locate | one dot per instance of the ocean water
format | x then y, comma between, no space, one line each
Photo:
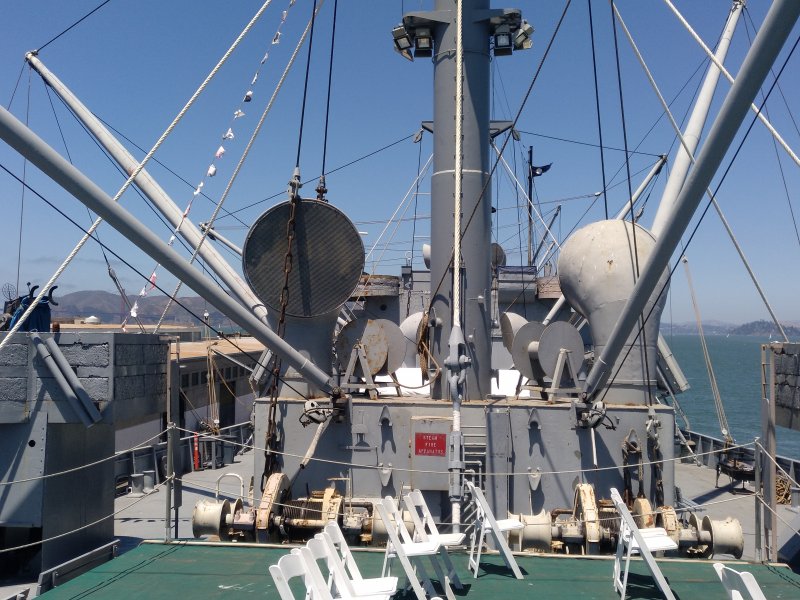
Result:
736,361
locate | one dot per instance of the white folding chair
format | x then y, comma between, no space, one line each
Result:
374,585
424,525
740,585
642,541
295,565
410,553
339,581
425,530
485,522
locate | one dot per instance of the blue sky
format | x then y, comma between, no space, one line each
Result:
136,64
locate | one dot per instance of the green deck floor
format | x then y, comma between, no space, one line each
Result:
186,572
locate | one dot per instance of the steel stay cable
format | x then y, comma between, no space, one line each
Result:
328,96
305,86
630,196
111,272
75,24
775,143
597,106
334,170
760,498
696,228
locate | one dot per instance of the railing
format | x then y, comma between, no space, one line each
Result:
708,450
196,452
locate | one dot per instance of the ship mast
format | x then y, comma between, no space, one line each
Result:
459,315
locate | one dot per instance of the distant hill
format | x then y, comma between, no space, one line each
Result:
764,329
709,328
109,308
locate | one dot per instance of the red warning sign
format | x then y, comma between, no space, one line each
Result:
430,444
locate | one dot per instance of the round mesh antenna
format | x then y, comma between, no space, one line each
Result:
327,258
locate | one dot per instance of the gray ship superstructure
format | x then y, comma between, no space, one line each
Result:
545,391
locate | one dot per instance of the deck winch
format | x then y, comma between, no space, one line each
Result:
589,527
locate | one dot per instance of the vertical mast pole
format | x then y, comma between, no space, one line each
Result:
461,298
530,206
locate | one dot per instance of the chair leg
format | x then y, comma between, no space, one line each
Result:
627,568
480,548
505,551
473,538
443,579
387,565
422,575
451,570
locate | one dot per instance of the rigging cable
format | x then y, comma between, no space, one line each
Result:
597,105
712,379
646,374
334,170
321,189
111,273
680,137
75,24
136,190
246,152
605,147
135,173
777,154
165,167
22,197
516,118
696,228
16,85
185,307
305,86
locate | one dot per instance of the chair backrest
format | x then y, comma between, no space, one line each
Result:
627,523
322,546
481,505
315,581
740,585
399,525
424,525
290,566
340,543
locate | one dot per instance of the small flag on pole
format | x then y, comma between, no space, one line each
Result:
537,171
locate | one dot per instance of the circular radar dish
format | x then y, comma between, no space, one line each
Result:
326,263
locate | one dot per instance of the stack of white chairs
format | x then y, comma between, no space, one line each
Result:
402,547
344,580
485,523
640,541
